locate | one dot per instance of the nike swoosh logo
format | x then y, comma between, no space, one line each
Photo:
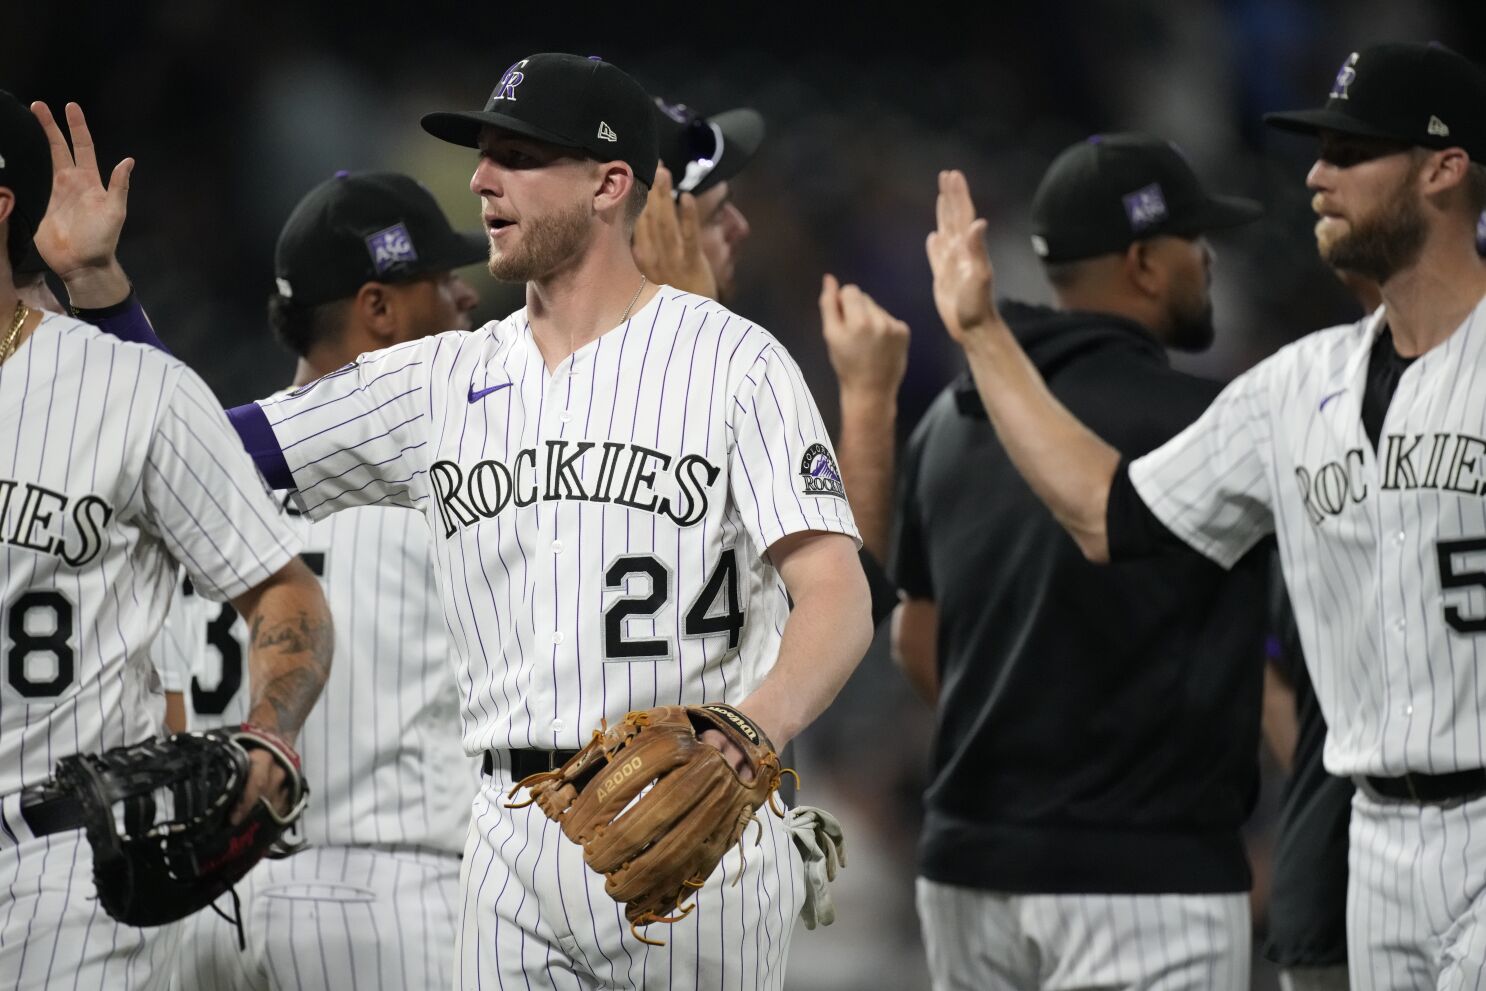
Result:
476,396
1329,398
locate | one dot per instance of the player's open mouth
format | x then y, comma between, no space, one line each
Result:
497,224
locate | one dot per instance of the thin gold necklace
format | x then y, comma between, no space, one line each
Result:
21,313
632,299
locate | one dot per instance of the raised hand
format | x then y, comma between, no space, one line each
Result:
668,246
867,344
963,280
80,232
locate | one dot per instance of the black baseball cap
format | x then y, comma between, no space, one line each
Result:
1424,95
581,103
703,151
25,169
365,227
1106,192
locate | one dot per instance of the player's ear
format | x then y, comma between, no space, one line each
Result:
375,311
615,180
1443,170
1143,269
7,204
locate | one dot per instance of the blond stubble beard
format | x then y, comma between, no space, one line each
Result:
546,243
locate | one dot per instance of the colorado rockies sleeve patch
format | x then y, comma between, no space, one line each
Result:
820,474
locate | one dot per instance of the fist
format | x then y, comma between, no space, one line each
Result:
868,346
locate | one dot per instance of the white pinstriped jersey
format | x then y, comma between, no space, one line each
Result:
115,462
381,748
598,530
1384,550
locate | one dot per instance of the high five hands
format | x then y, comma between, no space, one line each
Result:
963,280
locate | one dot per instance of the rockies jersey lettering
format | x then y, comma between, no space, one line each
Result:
1384,550
96,508
32,524
624,475
598,529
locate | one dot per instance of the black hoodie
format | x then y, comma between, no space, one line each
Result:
1097,725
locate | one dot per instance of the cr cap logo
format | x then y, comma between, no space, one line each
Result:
1146,207
818,469
1344,77
506,88
389,247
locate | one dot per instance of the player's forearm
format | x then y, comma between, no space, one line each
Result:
290,642
824,639
915,646
865,450
1069,467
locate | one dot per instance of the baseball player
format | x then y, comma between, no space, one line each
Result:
625,486
1095,851
1358,446
118,465
364,261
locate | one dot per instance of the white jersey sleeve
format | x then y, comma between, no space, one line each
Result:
204,499
176,649
359,435
783,471
1213,484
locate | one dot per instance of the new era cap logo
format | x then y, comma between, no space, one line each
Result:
1344,77
1437,127
390,247
1039,245
606,132
1145,207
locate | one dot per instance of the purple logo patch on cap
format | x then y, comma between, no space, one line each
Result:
1145,207
1344,77
390,247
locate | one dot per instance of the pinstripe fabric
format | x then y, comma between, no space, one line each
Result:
164,471
652,456
1416,898
1382,550
95,510
54,935
534,916
598,534
332,919
987,941
381,748
383,759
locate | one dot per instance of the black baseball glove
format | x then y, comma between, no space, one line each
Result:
158,817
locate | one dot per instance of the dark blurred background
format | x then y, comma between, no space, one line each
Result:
233,110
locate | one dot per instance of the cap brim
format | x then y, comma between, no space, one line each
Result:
1323,119
742,133
462,127
1222,212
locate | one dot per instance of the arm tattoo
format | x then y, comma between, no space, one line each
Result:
297,653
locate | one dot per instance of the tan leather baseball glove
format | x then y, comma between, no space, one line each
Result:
655,807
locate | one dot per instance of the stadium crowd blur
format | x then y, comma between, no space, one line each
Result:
234,110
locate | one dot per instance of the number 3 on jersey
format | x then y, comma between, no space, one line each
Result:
715,611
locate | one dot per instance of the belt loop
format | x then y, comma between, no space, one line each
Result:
1408,779
487,763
